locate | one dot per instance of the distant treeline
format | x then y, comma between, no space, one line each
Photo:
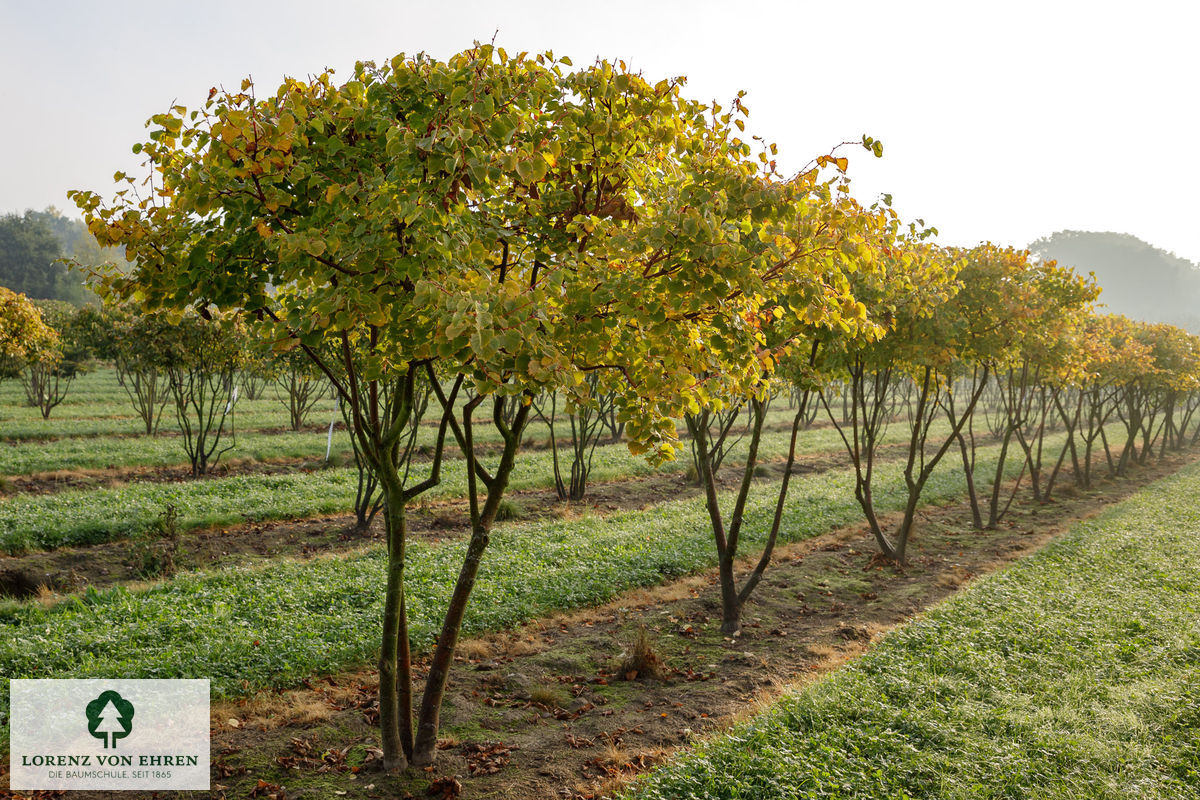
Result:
1139,280
31,246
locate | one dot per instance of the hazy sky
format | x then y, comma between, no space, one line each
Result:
1002,121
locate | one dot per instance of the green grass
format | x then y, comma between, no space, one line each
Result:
1073,674
96,405
74,453
106,452
259,415
277,624
90,516
96,515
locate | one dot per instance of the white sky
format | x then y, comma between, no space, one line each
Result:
1001,121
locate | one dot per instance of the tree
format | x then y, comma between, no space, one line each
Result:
29,255
1028,315
298,385
48,376
22,328
141,353
201,359
489,222
908,295
802,239
585,421
24,334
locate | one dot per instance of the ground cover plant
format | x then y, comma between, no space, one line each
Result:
310,618
89,516
115,452
103,452
1071,674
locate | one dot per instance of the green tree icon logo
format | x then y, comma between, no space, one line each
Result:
110,717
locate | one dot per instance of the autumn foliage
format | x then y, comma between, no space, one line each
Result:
453,240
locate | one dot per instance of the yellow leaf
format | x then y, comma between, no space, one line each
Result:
264,230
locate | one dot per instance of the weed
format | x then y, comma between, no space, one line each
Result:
155,552
508,510
474,649
546,695
641,662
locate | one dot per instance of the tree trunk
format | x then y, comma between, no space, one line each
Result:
972,494
395,660
429,719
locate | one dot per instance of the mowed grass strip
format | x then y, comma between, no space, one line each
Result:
274,625
92,422
1074,674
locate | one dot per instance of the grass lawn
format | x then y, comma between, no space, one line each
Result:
1073,674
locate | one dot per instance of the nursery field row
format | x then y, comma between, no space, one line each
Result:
103,409
111,452
275,625
88,516
32,428
1075,671
161,451
99,515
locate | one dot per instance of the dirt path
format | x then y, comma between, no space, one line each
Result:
552,709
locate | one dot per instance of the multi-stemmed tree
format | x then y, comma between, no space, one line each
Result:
49,371
1028,315
494,223
909,296
140,347
805,236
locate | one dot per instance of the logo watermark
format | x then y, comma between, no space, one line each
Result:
110,717
109,734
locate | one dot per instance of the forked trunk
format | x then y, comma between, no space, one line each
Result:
482,517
